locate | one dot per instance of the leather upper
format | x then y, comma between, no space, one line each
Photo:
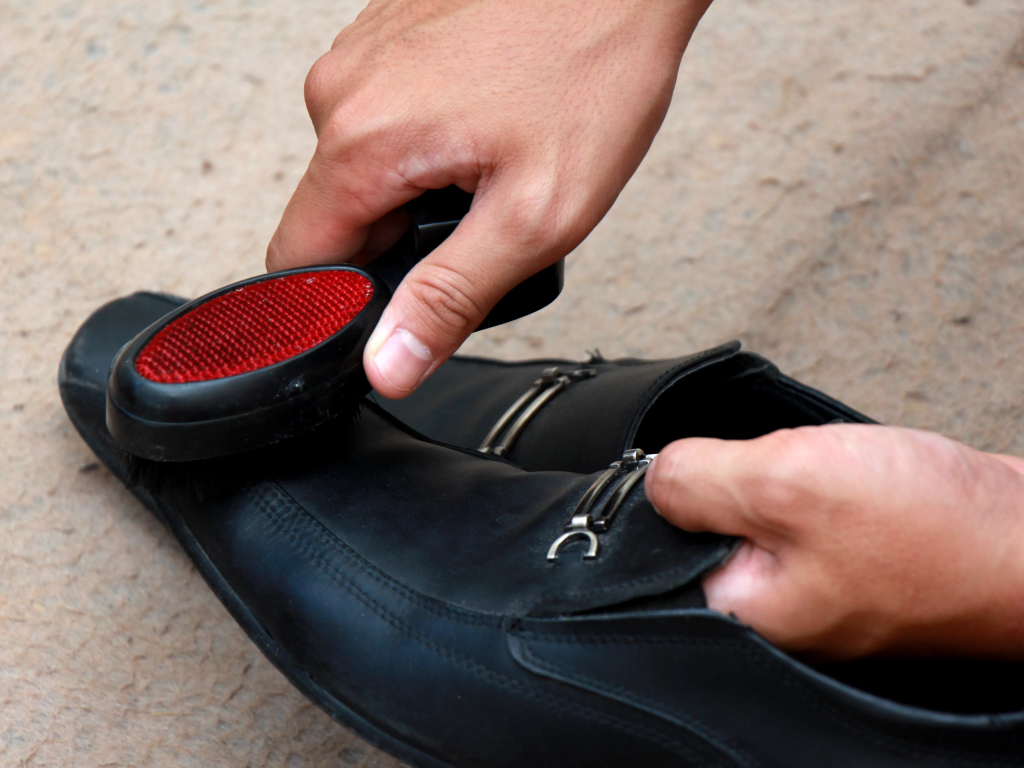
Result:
402,584
722,392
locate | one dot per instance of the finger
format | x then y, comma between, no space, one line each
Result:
783,603
447,295
735,487
702,484
1013,462
330,214
699,484
747,586
740,488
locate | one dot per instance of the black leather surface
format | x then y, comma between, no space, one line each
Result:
719,679
721,392
401,585
113,325
474,530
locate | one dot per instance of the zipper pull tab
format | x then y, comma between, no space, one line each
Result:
621,476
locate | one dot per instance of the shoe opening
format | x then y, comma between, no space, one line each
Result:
739,398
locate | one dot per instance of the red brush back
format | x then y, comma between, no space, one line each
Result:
254,326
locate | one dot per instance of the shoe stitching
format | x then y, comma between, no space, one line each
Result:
688,722
460,660
265,493
267,497
780,672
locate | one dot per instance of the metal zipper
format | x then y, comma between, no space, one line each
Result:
590,518
551,382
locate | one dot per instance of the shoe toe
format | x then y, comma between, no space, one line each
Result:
87,358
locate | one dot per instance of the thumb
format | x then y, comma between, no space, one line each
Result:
738,488
448,294
707,484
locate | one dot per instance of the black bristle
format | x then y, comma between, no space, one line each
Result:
594,356
203,480
214,478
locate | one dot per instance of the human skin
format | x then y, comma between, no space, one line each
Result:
858,539
543,108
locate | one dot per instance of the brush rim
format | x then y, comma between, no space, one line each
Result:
204,419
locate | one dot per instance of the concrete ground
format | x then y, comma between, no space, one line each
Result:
838,184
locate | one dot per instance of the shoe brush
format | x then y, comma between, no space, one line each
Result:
274,356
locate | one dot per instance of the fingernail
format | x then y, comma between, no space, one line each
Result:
402,360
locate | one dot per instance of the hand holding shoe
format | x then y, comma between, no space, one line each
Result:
860,539
543,108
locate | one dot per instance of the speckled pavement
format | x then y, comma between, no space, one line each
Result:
838,184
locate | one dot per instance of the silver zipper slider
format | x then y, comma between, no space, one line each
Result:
578,527
551,382
625,474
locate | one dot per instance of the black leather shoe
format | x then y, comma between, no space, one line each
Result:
408,588
577,417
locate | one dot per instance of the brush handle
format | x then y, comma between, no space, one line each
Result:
435,214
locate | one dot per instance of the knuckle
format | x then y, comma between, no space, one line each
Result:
317,85
351,129
535,216
777,485
550,215
340,139
447,301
